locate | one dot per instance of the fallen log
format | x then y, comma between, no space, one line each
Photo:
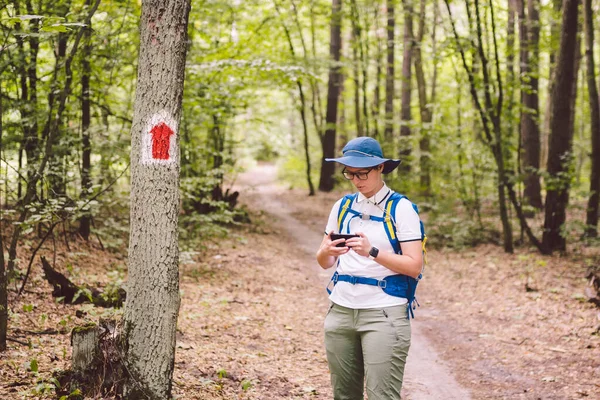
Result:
74,294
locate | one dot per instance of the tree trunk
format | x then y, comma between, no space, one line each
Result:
510,66
356,64
379,66
554,43
591,221
405,112
561,131
426,114
150,318
31,148
328,139
311,188
86,182
389,80
3,275
530,132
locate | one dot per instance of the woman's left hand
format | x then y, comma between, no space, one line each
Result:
360,245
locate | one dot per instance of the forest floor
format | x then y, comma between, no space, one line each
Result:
491,325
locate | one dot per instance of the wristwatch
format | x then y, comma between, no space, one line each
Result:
373,253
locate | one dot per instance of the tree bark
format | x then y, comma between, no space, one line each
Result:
150,318
389,79
375,110
86,182
426,114
3,275
591,221
355,42
326,180
530,131
554,44
561,131
510,66
406,96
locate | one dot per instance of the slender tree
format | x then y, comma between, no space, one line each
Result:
424,101
86,153
326,181
592,207
510,66
302,107
150,319
3,275
375,110
561,131
530,132
389,79
406,88
490,112
356,44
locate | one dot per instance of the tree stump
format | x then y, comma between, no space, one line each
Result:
97,369
85,344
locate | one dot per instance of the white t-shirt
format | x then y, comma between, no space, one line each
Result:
408,229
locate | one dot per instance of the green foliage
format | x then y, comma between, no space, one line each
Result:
222,373
33,365
246,384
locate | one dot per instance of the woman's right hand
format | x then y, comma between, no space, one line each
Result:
328,251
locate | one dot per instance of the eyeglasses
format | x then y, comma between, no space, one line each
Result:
362,175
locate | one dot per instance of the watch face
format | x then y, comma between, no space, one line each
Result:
374,252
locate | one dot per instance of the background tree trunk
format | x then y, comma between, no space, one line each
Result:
326,181
3,275
375,109
554,44
406,97
426,114
561,131
152,305
86,182
530,132
389,79
591,221
355,42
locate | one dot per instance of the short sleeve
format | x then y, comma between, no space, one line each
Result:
408,226
332,223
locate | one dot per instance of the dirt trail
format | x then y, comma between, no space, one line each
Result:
427,377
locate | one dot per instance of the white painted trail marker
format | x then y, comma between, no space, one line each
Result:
159,144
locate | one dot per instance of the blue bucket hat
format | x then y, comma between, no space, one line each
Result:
365,152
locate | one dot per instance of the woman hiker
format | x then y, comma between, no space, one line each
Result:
367,331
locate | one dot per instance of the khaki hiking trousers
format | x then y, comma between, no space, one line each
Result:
367,345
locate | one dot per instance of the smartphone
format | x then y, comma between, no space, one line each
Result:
335,236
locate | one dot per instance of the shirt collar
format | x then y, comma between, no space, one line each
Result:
377,198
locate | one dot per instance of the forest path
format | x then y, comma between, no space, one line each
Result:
427,376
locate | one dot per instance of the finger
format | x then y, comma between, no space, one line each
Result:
353,242
337,241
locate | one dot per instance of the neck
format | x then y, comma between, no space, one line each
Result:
374,191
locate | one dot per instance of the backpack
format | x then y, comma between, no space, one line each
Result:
398,285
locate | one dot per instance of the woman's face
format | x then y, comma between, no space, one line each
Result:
368,181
